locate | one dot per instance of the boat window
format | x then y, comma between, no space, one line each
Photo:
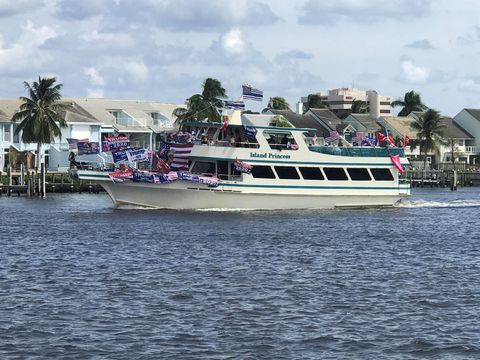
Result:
280,140
287,172
359,174
382,174
222,170
311,173
263,172
203,167
335,174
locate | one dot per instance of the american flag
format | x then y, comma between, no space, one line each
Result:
181,155
252,94
331,136
164,149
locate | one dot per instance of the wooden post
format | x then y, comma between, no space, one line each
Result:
44,185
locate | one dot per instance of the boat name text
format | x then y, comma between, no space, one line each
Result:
268,156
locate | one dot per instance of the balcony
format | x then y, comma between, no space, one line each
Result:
471,149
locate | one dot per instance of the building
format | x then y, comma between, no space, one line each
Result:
340,101
301,120
93,119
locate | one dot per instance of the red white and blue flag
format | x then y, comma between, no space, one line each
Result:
331,136
181,155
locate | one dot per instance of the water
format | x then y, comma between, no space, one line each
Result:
81,280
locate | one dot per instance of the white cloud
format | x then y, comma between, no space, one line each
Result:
94,76
413,73
233,42
470,85
137,70
27,52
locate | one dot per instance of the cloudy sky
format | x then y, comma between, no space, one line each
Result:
163,49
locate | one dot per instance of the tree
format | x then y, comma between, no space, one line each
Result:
412,101
39,113
359,107
315,102
278,103
430,132
205,105
280,121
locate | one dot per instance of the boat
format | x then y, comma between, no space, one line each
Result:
286,168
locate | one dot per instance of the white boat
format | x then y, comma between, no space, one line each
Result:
291,174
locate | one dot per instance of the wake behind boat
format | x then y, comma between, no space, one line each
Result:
259,167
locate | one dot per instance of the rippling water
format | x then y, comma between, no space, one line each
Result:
81,280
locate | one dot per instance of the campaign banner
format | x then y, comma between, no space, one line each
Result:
87,147
242,167
72,143
187,176
119,155
119,176
138,155
210,181
143,177
115,143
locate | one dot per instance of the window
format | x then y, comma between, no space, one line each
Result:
263,172
382,174
203,167
287,172
311,173
280,140
222,170
335,174
384,111
358,174
385,103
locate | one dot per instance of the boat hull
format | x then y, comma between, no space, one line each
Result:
172,196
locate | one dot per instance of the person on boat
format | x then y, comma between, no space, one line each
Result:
284,142
73,161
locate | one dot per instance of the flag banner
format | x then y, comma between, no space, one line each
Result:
158,164
172,176
164,150
139,176
250,132
119,176
210,181
137,155
187,176
396,161
242,167
391,140
115,142
239,105
72,143
251,94
331,136
121,155
87,147
180,156
406,141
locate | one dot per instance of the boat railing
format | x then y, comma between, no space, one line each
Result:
358,151
225,143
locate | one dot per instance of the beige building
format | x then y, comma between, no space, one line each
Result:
340,101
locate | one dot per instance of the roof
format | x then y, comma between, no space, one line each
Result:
474,112
256,119
9,107
402,125
367,120
328,117
301,121
454,131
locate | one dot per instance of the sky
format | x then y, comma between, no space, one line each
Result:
162,50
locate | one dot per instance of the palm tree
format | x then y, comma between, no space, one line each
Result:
359,107
430,132
412,101
278,103
39,113
205,105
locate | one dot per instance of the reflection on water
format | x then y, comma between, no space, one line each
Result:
80,279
